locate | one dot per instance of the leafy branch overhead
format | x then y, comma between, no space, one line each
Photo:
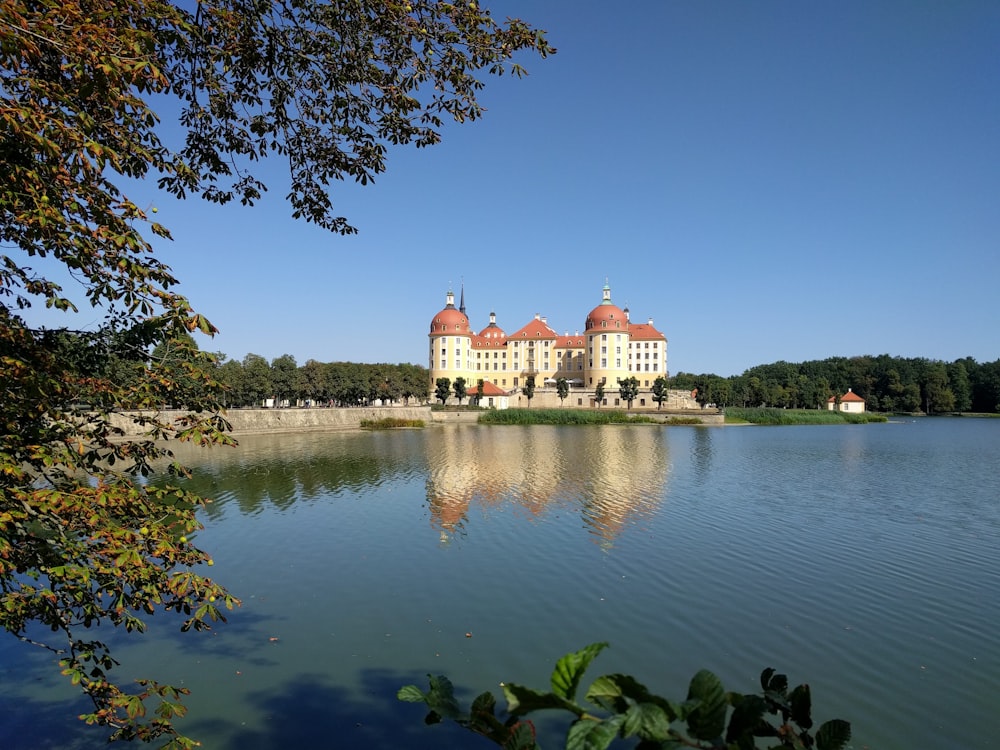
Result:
327,87
617,706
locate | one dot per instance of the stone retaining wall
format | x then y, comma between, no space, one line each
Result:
255,421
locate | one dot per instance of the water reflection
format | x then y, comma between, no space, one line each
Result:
276,471
612,475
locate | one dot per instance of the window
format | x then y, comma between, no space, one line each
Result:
654,367
618,350
604,337
444,365
515,382
604,363
618,364
604,350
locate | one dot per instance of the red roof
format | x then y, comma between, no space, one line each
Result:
450,320
536,329
645,332
489,389
849,396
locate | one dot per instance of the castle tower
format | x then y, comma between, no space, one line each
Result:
606,333
450,352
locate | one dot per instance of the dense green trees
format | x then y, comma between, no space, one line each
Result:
894,384
253,381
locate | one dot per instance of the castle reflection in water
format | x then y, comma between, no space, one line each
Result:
612,476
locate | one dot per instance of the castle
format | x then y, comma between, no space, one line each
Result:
610,349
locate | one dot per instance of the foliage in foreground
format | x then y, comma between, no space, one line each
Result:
328,88
619,707
561,416
389,423
800,416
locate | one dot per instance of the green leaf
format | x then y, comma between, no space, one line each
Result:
708,720
569,670
523,700
484,703
587,734
521,737
748,711
615,692
772,682
800,705
647,720
411,694
441,697
833,735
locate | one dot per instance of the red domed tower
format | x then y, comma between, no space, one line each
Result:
450,343
607,342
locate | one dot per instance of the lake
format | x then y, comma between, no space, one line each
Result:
863,559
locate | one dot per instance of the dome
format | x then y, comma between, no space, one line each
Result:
606,315
493,331
451,320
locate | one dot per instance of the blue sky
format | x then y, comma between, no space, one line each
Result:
767,181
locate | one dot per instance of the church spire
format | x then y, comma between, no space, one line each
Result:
461,303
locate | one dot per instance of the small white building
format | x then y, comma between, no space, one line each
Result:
850,402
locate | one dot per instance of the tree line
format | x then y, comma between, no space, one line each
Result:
253,380
887,383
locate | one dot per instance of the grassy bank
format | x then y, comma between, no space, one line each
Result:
389,423
736,415
560,416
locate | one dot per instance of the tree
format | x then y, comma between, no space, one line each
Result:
311,381
479,391
562,389
529,388
84,540
937,395
257,382
460,390
442,389
660,391
628,389
283,378
961,387
599,394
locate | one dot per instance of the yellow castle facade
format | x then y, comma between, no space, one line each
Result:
611,348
